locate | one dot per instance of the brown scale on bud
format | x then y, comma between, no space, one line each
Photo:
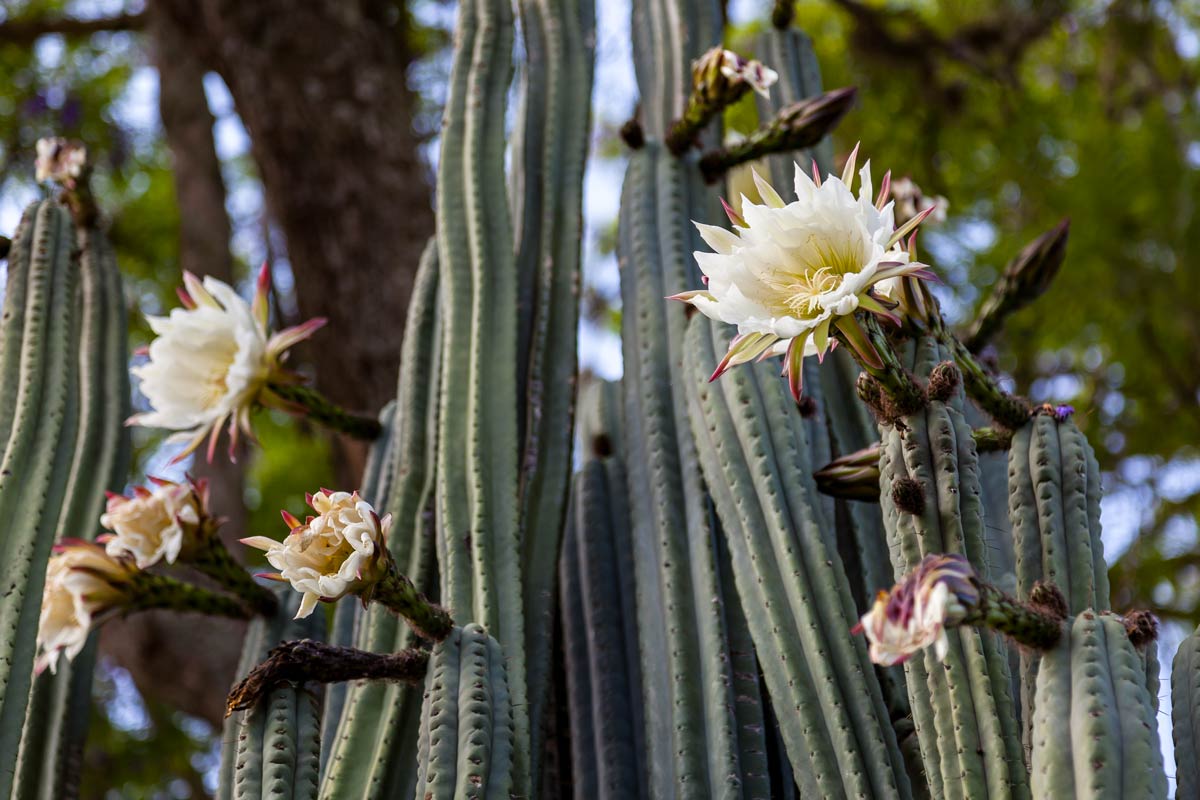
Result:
1047,598
1142,628
909,496
807,407
944,380
633,135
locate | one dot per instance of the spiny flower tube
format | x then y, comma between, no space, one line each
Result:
154,524
791,276
213,362
915,613
83,585
720,78
343,550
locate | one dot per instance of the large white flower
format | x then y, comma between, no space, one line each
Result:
211,362
791,273
341,551
82,583
915,613
152,525
756,75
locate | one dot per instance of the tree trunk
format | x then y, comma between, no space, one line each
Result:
321,87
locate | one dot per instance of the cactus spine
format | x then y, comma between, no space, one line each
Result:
1095,734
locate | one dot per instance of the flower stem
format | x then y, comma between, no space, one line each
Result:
214,560
397,593
1007,410
795,127
306,660
148,591
318,408
891,391
1033,626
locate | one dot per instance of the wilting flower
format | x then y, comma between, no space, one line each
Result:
212,362
59,160
791,273
340,551
915,613
83,583
154,524
754,74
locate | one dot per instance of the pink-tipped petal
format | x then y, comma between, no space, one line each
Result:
885,188
734,217
851,163
185,299
290,520
816,172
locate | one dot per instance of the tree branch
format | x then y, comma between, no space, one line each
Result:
29,30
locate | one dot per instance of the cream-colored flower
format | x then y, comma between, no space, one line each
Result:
757,76
791,273
154,524
342,550
211,362
83,582
59,160
916,612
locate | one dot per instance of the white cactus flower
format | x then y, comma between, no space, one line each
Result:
59,160
83,582
756,75
211,362
788,273
154,524
342,550
915,613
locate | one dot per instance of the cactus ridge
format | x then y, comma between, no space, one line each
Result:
466,742
39,451
548,165
967,700
273,750
56,720
754,455
1095,679
1185,715
369,756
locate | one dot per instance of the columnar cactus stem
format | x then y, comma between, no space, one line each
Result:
319,409
306,660
1185,715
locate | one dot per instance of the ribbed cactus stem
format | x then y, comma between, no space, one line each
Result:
397,593
214,560
855,476
308,660
319,409
148,591
795,127
1030,625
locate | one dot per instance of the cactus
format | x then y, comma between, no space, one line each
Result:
1095,731
466,745
929,491
1185,715
273,749
677,614
796,596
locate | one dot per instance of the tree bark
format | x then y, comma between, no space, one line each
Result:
321,87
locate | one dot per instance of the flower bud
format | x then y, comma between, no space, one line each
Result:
60,160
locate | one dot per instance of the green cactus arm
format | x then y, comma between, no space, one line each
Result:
367,755
273,748
34,469
974,742
549,155
585,724
1185,715
1095,679
466,747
